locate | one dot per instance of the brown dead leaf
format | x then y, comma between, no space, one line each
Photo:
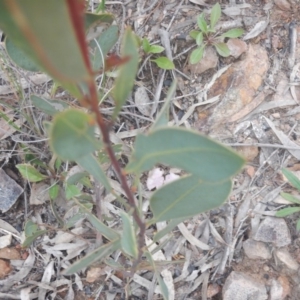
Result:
10,253
5,268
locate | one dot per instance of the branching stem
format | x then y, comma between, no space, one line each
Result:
104,128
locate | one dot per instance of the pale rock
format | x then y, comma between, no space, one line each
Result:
209,61
236,47
285,257
256,250
238,86
239,286
280,288
273,230
283,4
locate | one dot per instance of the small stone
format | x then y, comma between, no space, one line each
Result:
10,253
9,191
283,280
236,47
239,286
209,61
5,268
256,250
283,4
276,290
249,152
273,230
212,290
285,257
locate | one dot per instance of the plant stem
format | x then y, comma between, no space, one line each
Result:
93,101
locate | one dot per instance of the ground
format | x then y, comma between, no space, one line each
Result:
248,101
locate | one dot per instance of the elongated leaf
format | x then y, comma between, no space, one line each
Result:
45,31
215,15
187,150
222,49
162,284
19,57
197,55
156,49
48,106
199,39
298,225
95,256
91,164
202,23
290,198
127,73
105,41
32,232
162,118
91,19
287,211
293,179
164,63
187,197
194,33
109,233
72,135
146,45
30,173
233,33
128,238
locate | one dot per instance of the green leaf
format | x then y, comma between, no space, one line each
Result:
91,165
233,33
105,41
162,118
72,134
188,197
30,173
93,20
202,23
156,49
95,256
287,211
164,63
19,57
197,55
72,191
199,39
146,45
194,33
290,198
53,191
215,15
48,106
128,238
75,178
298,225
109,233
31,27
293,179
162,284
187,150
124,82
31,231
222,49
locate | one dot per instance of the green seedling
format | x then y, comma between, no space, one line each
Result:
295,182
208,36
162,62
